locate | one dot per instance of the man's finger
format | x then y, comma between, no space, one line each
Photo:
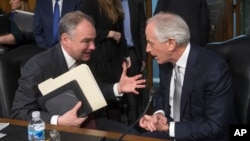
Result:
77,106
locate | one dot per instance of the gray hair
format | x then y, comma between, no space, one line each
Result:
70,20
170,25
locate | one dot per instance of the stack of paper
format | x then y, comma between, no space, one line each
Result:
2,126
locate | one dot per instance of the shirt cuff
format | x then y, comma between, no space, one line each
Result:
54,119
159,111
171,129
115,89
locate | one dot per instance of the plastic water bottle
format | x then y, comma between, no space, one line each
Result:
36,128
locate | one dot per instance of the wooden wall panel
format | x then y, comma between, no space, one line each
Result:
4,4
32,4
149,57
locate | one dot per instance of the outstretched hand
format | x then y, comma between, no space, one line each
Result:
130,84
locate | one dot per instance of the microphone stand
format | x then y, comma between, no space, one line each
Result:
152,91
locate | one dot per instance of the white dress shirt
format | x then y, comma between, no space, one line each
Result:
60,3
182,64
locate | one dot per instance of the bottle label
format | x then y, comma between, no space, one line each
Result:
36,135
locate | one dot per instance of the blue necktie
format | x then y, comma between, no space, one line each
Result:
56,21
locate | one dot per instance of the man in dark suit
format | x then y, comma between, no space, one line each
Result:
77,34
43,19
134,30
195,13
194,100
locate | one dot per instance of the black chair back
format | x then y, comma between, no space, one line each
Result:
236,52
10,71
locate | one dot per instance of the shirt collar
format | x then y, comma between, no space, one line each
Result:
69,60
60,2
182,61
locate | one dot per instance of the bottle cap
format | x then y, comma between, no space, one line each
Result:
36,114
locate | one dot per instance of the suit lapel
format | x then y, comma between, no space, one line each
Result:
165,80
62,65
190,75
168,76
48,10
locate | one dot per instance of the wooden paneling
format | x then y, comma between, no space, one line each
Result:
149,58
32,4
224,27
6,6
238,17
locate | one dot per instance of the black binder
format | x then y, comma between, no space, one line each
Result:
4,24
64,98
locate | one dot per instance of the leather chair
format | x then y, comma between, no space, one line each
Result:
236,52
10,66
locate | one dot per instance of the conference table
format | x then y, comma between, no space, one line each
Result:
17,131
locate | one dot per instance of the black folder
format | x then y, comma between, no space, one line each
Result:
4,24
64,98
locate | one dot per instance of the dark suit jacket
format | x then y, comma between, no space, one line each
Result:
138,24
48,64
43,20
206,101
194,12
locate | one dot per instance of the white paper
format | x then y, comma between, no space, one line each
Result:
2,135
3,125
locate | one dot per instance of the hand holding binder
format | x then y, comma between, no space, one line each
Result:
63,92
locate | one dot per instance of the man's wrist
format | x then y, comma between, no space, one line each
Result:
116,90
54,120
167,130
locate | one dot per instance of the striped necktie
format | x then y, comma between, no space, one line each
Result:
177,94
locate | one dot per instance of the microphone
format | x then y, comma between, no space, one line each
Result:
151,93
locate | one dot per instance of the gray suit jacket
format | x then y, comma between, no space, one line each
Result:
48,64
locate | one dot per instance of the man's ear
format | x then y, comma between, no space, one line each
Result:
65,39
171,43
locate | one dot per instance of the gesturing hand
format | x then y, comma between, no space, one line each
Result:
130,84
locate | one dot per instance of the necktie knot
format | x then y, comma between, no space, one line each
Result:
177,71
77,63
